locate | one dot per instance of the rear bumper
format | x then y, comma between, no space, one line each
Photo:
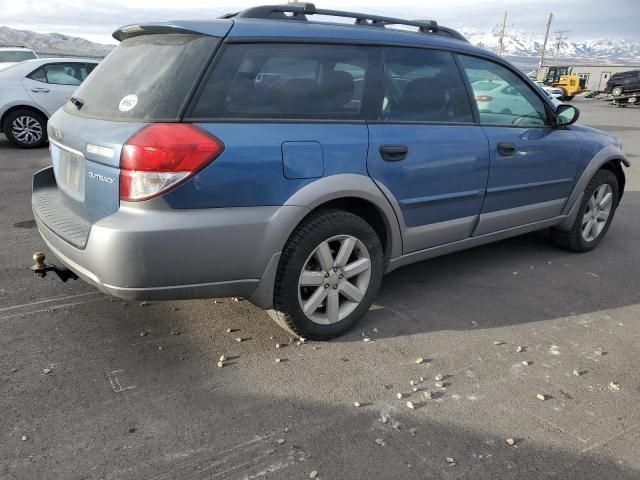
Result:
164,254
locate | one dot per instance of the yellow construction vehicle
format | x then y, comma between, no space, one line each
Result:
571,86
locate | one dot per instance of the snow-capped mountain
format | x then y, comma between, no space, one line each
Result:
520,47
519,43
54,43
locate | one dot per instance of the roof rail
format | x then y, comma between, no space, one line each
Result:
299,11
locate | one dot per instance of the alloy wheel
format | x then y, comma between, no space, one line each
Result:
597,212
26,129
334,279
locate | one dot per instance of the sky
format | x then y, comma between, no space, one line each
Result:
97,19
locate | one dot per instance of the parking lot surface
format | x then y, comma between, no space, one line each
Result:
93,387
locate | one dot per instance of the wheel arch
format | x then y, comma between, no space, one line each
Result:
27,106
359,195
609,158
354,193
615,166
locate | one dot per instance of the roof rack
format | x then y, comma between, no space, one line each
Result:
299,11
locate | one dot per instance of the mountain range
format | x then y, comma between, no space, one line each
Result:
53,43
524,44
520,47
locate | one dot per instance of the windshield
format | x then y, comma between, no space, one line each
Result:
146,78
16,55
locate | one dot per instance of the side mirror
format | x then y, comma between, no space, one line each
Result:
566,115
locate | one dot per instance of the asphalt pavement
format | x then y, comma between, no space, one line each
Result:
96,388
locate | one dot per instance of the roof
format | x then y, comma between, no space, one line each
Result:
28,66
275,29
15,47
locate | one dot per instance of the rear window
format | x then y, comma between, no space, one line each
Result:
146,78
285,81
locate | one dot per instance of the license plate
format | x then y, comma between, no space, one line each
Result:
69,169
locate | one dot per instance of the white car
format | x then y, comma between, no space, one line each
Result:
553,92
31,91
497,96
12,55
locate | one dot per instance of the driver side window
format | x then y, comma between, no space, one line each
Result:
502,98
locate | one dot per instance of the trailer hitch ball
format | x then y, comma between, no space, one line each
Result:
39,268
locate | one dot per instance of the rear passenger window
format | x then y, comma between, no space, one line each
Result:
66,73
423,85
38,75
285,81
502,97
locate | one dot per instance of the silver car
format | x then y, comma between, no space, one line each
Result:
31,91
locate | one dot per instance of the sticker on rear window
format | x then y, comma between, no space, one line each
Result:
128,102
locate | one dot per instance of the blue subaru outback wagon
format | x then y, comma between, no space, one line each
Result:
294,162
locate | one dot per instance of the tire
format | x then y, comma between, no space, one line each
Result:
569,98
306,251
617,91
575,239
26,128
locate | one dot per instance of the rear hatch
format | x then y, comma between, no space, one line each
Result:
147,79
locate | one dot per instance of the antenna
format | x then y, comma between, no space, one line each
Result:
560,36
546,37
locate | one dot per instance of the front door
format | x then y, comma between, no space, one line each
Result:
533,166
425,152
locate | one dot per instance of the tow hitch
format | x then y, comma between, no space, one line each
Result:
40,269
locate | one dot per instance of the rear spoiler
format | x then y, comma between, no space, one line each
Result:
213,29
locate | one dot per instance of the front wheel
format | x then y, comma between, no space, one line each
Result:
329,274
595,215
617,91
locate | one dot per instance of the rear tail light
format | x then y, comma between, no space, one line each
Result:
161,156
483,98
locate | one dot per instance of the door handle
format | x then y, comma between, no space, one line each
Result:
393,153
506,148
40,89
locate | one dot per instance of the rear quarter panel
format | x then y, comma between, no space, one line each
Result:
250,170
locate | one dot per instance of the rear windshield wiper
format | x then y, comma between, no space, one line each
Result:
77,102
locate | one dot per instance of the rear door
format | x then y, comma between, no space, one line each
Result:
425,151
51,85
533,166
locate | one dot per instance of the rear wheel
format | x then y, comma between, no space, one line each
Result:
329,274
596,212
617,91
26,128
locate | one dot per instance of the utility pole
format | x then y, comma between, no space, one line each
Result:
504,26
559,38
546,37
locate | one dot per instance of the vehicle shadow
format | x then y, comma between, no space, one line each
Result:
519,280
